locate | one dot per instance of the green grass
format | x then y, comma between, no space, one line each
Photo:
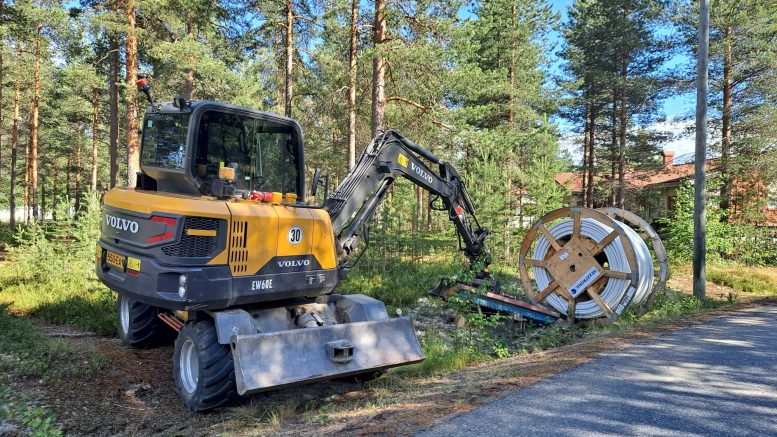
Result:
396,282
55,280
65,300
25,352
441,357
743,280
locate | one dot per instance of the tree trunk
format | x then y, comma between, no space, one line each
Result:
591,161
95,137
352,85
428,211
14,144
1,103
586,131
289,46
54,175
27,183
188,88
419,200
34,124
725,140
510,211
42,197
511,66
69,179
131,53
622,140
79,135
2,85
520,210
614,148
379,37
113,113
510,161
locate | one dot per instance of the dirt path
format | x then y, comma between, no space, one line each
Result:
133,393
127,396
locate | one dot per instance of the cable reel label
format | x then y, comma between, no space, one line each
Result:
626,300
584,281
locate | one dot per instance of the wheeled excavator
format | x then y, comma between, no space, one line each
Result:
217,249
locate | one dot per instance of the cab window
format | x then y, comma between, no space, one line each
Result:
263,153
164,140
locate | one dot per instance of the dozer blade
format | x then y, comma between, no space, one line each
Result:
300,356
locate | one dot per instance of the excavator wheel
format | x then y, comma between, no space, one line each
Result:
139,326
203,368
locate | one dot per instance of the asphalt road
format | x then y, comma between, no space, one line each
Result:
718,378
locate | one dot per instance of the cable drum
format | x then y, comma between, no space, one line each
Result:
659,252
586,264
615,289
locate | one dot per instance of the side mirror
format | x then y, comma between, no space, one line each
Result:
181,103
315,182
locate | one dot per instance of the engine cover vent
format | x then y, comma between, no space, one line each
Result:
238,253
196,246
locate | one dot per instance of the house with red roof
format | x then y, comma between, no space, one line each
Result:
652,193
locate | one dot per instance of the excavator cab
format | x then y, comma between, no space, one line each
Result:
213,149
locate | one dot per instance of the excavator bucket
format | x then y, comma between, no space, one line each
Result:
285,358
488,294
447,289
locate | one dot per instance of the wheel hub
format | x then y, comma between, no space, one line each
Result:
189,366
124,315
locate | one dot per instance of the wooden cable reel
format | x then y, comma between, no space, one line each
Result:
659,252
577,266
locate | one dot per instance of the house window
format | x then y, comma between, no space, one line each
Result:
671,202
771,200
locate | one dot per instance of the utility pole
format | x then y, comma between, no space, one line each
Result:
700,180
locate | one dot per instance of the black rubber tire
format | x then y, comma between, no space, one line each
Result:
215,385
144,329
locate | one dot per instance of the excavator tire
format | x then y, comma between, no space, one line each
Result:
203,369
139,326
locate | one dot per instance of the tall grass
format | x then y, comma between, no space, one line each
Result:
398,283
744,280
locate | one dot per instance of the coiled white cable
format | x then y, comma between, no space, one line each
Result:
614,291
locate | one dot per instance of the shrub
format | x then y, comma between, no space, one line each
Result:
50,273
738,240
679,227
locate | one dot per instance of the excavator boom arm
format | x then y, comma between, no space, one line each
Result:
388,156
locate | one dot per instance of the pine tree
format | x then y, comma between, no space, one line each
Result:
614,60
